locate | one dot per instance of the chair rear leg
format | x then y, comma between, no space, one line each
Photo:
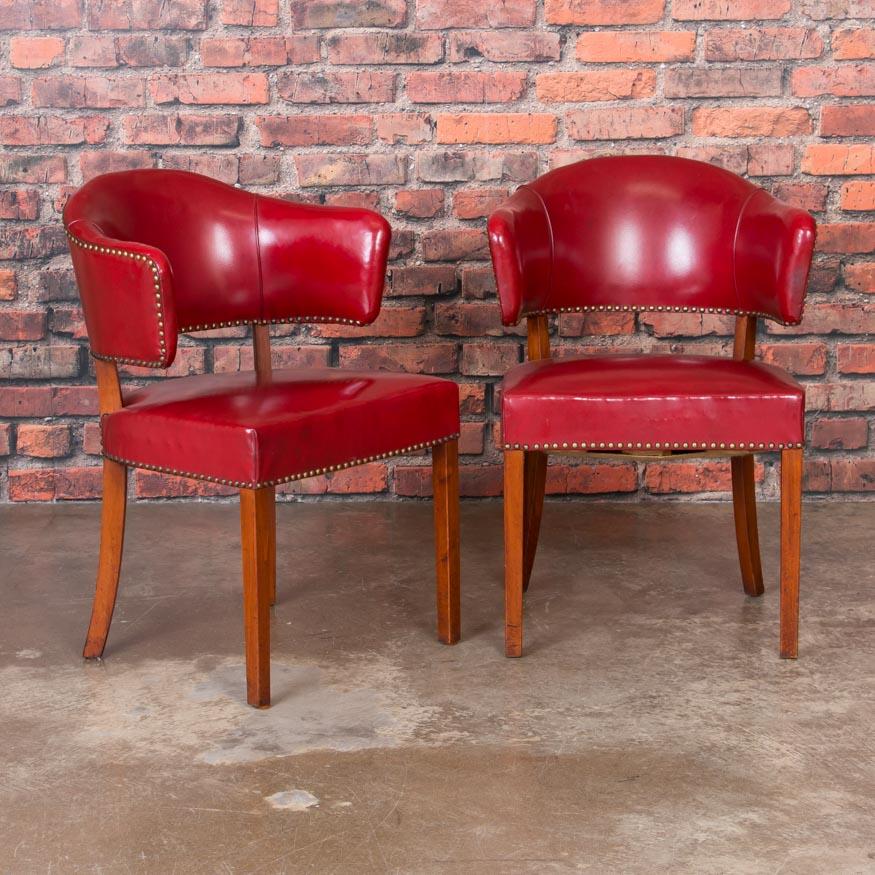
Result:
745,507
514,557
535,484
258,545
445,486
112,538
791,548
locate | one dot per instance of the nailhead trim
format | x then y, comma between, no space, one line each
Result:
159,302
627,308
658,445
206,326
239,484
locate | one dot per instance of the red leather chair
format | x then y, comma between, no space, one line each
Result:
159,252
650,233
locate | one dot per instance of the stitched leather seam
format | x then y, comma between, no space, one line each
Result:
552,239
258,256
747,200
241,484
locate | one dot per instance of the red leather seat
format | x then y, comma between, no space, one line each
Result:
650,233
160,252
229,428
680,402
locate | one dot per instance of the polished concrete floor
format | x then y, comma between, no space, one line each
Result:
650,726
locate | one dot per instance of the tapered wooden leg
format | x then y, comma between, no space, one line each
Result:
514,553
535,483
445,483
257,541
270,544
112,539
745,506
791,548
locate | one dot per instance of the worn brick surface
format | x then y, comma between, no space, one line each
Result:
433,111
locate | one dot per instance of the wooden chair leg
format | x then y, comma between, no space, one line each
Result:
535,484
745,507
112,539
270,544
791,548
514,554
257,541
445,486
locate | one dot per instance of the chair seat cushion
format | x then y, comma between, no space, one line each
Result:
225,427
650,402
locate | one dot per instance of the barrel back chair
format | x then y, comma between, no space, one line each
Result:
664,234
159,252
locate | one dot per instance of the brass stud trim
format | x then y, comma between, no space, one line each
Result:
234,323
620,445
302,475
655,308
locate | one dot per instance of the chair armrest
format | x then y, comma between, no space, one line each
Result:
772,257
521,244
127,298
321,263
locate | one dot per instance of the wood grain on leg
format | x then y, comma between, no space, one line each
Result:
514,513
745,507
255,516
445,480
791,548
535,483
112,538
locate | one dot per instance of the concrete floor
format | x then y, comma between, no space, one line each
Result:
650,727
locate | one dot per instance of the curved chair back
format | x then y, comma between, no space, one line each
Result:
162,251
649,233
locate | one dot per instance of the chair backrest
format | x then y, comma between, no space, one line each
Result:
649,232
162,251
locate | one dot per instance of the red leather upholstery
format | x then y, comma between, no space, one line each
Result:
634,402
223,256
227,428
649,232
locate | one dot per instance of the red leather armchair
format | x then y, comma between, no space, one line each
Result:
650,233
159,252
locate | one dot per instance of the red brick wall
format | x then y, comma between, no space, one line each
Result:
432,111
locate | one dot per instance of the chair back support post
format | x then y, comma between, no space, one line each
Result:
538,340
109,390
261,350
745,337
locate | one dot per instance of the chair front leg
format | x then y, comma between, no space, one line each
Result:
445,487
514,550
791,548
536,482
258,542
112,539
744,505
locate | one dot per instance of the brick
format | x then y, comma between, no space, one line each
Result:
728,10
50,130
504,46
420,204
22,324
314,130
151,484
147,15
830,318
455,244
337,87
96,163
478,203
92,51
489,359
845,80
152,50
454,87
351,169
403,321
18,243
231,359
32,362
853,43
852,475
610,12
181,129
325,14
35,52
855,358
425,279
385,48
723,82
841,397
771,159
832,433
8,285
587,324
848,120
404,127
416,358
846,237
805,195
40,14
250,13
496,128
858,196
42,441
591,479
582,87
477,282
824,159
626,123
762,44
49,484
823,9
750,121
74,401
687,324
442,14
805,359
265,51
26,401
661,478
210,88
480,319
92,92
19,204
221,167
5,439
10,90
860,277
362,200
631,46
